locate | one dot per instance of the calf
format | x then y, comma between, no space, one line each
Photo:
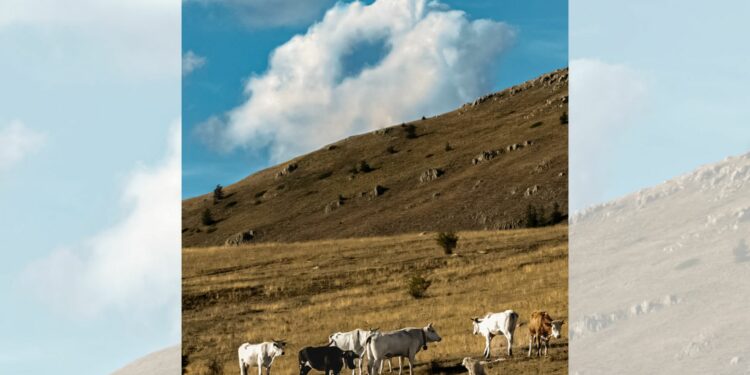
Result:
495,324
328,359
260,355
402,343
541,327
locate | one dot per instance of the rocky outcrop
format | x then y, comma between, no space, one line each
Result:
289,168
431,175
240,238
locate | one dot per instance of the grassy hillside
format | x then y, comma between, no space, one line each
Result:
328,194
302,292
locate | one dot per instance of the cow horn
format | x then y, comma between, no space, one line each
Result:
374,329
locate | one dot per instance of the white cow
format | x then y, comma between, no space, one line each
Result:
355,341
495,324
405,342
260,355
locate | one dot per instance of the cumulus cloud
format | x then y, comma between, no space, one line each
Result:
432,60
264,13
606,98
191,61
17,141
132,267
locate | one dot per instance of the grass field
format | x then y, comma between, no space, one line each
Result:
303,292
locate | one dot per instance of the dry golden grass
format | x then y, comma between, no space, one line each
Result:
303,292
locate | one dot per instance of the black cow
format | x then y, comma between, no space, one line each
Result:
328,359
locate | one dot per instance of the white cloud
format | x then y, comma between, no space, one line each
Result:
132,267
17,141
191,61
264,13
605,98
435,60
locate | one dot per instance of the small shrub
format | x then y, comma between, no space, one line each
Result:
206,217
564,118
391,150
417,286
447,241
533,218
448,146
361,167
536,124
411,131
424,118
556,216
218,193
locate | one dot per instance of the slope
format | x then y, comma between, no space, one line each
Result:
477,167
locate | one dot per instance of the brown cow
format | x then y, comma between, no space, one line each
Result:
541,326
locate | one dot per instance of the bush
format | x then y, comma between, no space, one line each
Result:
391,150
417,286
448,241
556,216
448,146
206,217
411,131
536,124
564,118
361,167
533,217
218,193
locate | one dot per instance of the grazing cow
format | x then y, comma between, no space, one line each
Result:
328,359
405,342
260,355
495,324
473,366
541,327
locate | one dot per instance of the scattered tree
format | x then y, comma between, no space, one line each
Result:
417,286
206,217
218,193
556,216
411,131
533,218
447,241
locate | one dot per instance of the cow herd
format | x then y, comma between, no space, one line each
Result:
351,348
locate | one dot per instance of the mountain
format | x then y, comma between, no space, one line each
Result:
477,167
659,278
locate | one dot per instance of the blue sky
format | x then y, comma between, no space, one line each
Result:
236,46
660,89
87,102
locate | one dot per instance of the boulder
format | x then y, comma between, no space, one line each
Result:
431,174
287,170
240,238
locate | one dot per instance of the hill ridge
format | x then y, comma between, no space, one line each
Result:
481,163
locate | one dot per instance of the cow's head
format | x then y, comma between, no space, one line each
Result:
475,322
349,357
431,334
557,328
277,348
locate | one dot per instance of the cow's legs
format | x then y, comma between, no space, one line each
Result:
268,370
531,339
411,359
243,370
487,346
510,344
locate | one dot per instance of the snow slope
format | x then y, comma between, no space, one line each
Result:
660,279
